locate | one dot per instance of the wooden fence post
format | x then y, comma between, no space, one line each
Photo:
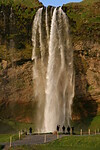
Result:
81,132
38,131
71,131
95,132
19,135
57,135
21,132
89,131
45,138
10,141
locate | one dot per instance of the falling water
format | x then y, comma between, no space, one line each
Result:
54,82
39,48
47,27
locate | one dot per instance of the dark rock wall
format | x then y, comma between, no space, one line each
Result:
87,79
16,86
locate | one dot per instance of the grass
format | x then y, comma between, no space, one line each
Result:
87,123
11,127
95,124
6,137
67,143
89,1
86,19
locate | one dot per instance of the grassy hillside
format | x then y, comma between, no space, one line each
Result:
27,3
12,127
67,143
85,18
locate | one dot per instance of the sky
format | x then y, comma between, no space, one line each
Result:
57,2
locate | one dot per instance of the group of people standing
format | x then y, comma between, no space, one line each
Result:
69,129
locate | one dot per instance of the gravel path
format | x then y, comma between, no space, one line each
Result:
34,139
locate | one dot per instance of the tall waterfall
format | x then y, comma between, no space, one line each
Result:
53,74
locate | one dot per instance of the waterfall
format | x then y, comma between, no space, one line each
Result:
53,73
47,27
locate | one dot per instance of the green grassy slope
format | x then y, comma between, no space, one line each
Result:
85,18
27,3
92,123
68,143
6,137
11,126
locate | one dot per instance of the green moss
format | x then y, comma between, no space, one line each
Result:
84,24
89,88
20,31
89,2
87,17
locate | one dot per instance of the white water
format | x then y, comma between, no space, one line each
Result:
47,27
54,82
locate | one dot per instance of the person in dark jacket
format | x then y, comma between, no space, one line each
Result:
58,127
30,130
68,129
73,130
63,128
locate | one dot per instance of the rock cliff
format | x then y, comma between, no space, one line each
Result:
16,86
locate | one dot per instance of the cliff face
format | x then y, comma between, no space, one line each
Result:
16,92
16,86
87,79
85,30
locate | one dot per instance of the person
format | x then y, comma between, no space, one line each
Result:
30,130
68,129
72,130
63,128
58,126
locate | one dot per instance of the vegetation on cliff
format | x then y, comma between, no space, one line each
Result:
15,27
17,17
85,17
23,3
